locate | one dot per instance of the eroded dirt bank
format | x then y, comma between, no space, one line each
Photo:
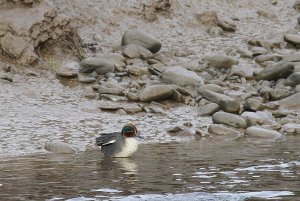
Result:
239,57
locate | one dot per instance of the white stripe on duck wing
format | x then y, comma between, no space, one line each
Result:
107,138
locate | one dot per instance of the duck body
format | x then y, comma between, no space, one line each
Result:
119,144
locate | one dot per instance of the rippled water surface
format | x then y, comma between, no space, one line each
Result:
205,169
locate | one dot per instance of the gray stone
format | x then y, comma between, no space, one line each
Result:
256,51
261,133
156,92
295,57
230,105
226,26
133,108
219,129
59,148
297,88
219,61
281,113
253,104
268,57
6,76
142,39
280,70
292,38
132,96
181,76
257,118
226,103
114,98
279,93
293,79
229,119
113,91
215,31
211,87
291,129
136,51
86,79
68,70
13,45
291,101
208,109
100,65
137,71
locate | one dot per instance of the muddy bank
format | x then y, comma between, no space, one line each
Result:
178,70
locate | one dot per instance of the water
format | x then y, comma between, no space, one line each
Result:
205,169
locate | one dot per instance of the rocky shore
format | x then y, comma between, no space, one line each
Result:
250,89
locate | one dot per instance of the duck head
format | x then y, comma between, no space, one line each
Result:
129,130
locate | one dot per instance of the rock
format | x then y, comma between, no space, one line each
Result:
281,113
229,119
230,105
226,26
132,96
257,51
257,118
133,108
117,59
219,129
101,66
208,18
226,103
266,14
293,79
295,57
86,79
279,93
297,5
262,133
66,73
291,101
297,88
25,27
268,57
110,106
211,87
280,70
137,71
208,109
113,91
13,45
121,112
136,51
5,76
182,77
291,129
252,104
219,61
59,148
142,39
215,31
114,98
156,92
293,39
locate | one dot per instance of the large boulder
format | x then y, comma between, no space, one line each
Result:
156,92
280,70
142,39
257,118
182,77
262,133
100,65
229,119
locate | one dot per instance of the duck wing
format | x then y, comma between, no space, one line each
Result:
107,138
